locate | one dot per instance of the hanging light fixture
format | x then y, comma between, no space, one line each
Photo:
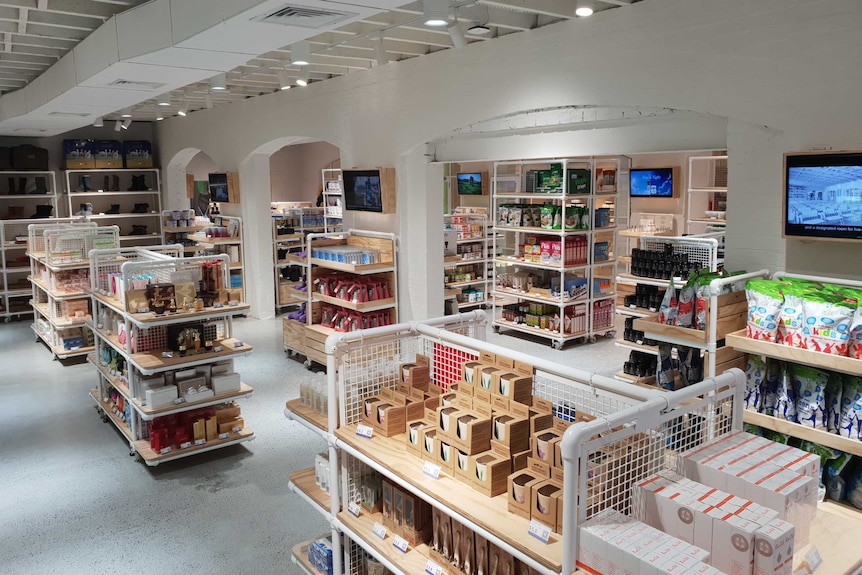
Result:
98,122
219,82
585,8
159,117
457,35
299,54
435,12
118,125
126,123
184,108
380,51
479,29
164,99
283,80
303,78
126,113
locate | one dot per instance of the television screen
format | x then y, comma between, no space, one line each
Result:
651,183
470,184
362,191
823,195
218,188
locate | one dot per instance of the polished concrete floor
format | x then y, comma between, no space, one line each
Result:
73,501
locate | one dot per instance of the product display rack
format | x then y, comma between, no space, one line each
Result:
307,336
135,195
466,254
141,341
230,245
586,311
739,341
333,198
354,360
289,229
179,227
24,190
59,277
707,188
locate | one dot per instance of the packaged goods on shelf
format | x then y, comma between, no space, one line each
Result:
351,288
320,555
346,254
346,321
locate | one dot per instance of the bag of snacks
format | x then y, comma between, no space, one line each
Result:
755,373
665,376
853,296
668,309
790,316
826,323
764,304
834,390
685,306
811,386
851,407
785,403
547,217
701,302
769,388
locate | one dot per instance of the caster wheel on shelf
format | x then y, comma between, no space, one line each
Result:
132,453
611,334
496,328
591,339
307,364
557,345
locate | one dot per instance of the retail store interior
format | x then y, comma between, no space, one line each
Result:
456,287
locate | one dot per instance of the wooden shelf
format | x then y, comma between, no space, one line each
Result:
708,221
304,481
649,380
204,241
291,259
352,268
151,412
835,533
465,283
186,229
532,296
489,512
142,319
820,436
651,349
636,234
319,421
58,350
534,230
142,446
738,340
413,561
634,312
363,307
545,266
538,331
118,423
625,277
300,556
118,383
57,294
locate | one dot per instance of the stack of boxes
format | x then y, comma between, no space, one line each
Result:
389,411
192,384
189,427
320,555
405,514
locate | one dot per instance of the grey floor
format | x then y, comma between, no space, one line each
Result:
73,501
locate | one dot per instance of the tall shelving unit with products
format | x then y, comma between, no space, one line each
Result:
27,195
333,198
225,237
560,273
706,197
466,258
165,376
125,197
289,229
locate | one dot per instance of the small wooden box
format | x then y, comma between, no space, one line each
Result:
514,387
446,456
539,467
428,437
486,382
544,504
414,375
489,473
557,474
519,460
462,466
520,489
469,375
511,431
447,420
515,408
463,401
472,433
544,445
413,437
540,422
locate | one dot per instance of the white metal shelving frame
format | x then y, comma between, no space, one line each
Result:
29,199
292,244
145,340
333,188
479,224
702,172
591,269
102,199
662,424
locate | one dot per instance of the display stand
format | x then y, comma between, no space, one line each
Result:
360,363
706,197
333,198
136,353
59,276
210,243
127,198
466,258
573,259
26,190
289,229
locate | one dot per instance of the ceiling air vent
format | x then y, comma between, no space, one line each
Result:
134,84
304,17
70,114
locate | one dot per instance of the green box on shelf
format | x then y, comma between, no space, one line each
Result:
579,181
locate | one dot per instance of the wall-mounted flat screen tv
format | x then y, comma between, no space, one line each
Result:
470,184
823,195
218,188
362,191
651,182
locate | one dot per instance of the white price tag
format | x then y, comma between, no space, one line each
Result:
379,530
633,306
433,569
165,450
813,559
540,531
223,435
401,544
431,470
364,431
179,400
653,310
200,441
640,342
237,429
354,509
185,444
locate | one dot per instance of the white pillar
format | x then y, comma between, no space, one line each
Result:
255,197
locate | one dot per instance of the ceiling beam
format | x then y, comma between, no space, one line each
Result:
74,22
556,8
22,20
412,19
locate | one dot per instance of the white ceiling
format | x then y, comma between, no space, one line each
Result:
53,82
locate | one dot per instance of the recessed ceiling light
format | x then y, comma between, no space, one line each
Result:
159,117
126,113
219,82
164,99
184,109
435,12
98,122
299,54
584,8
283,80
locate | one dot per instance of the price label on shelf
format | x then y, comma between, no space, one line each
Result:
540,531
354,509
165,450
813,560
185,444
401,544
632,306
224,435
200,441
433,569
653,310
640,342
364,431
179,400
237,429
431,470
379,530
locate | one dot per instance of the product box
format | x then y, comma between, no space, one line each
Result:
78,155
733,545
540,468
445,456
231,425
540,421
504,561
513,387
108,154
510,432
211,429
227,411
447,420
226,383
461,470
137,154
160,396
544,446
489,473
520,488
472,433
544,503
413,437
469,374
429,443
774,548
387,496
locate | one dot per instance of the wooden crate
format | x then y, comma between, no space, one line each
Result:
732,316
293,334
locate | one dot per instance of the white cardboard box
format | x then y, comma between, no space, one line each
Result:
226,383
773,549
161,396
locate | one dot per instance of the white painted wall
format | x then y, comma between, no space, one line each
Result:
769,76
294,171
